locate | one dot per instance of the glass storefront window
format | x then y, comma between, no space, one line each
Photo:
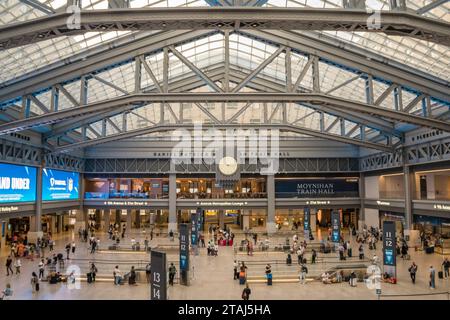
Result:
129,188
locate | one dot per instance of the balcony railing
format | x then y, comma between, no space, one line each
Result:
123,195
237,195
392,194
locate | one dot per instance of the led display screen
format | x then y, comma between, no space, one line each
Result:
17,183
59,185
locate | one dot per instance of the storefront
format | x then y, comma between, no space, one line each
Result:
348,217
287,219
436,230
397,217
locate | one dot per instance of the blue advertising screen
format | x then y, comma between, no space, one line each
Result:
59,185
17,183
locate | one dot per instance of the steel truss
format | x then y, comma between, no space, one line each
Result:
421,153
20,153
391,22
373,123
162,166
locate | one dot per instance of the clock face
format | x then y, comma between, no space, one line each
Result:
228,166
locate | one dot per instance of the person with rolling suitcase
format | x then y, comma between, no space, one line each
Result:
446,267
89,277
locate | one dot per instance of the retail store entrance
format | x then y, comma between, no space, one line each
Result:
348,217
221,218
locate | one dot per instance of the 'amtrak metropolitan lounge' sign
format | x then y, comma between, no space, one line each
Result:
316,188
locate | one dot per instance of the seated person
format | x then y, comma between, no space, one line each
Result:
326,278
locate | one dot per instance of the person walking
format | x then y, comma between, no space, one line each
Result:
246,292
73,247
41,267
93,246
132,277
446,266
34,282
146,244
303,272
432,282
412,272
172,273
51,243
117,276
17,265
361,252
235,269
8,266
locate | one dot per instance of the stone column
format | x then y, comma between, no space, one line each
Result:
222,219
172,200
362,196
409,183
59,223
129,219
246,219
38,226
3,232
271,225
138,218
107,217
313,218
119,218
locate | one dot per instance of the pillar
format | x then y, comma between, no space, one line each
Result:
362,196
138,218
60,223
313,219
172,200
38,225
271,225
246,220
107,217
409,183
118,217
129,219
3,232
222,219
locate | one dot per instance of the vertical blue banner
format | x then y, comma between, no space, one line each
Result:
306,218
194,229
199,219
335,226
184,247
389,243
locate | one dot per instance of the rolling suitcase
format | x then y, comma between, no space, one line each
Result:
441,275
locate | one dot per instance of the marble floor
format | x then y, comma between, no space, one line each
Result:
212,277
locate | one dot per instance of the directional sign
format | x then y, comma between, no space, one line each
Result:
389,248
158,280
335,226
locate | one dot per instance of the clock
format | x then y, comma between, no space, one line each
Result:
228,166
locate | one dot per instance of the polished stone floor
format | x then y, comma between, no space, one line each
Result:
212,277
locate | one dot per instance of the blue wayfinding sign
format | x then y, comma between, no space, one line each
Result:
17,183
389,243
306,218
335,226
194,229
184,247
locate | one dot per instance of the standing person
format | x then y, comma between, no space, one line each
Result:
73,247
68,251
303,272
34,282
94,271
146,244
432,272
93,246
235,268
313,256
171,235
412,272
361,252
17,265
8,266
132,277
51,243
151,234
172,272
41,267
117,276
446,266
246,293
